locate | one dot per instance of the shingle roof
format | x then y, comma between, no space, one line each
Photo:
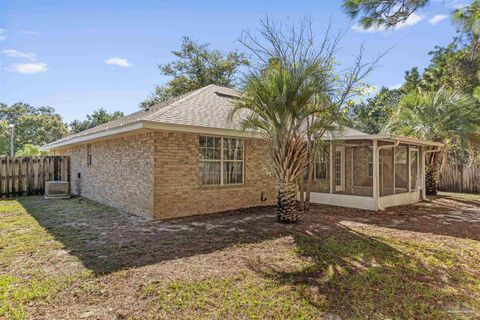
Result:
207,107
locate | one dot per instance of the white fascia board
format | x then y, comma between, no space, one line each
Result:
96,135
389,137
152,125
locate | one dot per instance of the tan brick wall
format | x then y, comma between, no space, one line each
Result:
178,191
121,173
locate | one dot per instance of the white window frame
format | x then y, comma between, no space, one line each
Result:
319,161
223,161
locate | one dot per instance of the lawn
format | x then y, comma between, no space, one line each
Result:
76,259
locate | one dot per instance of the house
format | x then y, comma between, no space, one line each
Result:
183,157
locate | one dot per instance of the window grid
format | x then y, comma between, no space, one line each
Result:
320,168
89,154
370,162
221,161
338,168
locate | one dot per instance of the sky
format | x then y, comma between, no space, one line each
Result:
78,56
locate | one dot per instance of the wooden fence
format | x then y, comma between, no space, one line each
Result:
460,178
27,175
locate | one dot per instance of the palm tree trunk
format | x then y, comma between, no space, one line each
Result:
431,180
286,203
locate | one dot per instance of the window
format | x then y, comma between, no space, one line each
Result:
89,154
321,166
370,162
221,160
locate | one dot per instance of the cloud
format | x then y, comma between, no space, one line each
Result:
437,19
30,68
12,53
116,61
412,20
2,34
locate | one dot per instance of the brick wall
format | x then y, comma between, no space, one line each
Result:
178,191
121,173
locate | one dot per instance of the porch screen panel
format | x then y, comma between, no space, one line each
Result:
362,175
401,169
386,172
414,169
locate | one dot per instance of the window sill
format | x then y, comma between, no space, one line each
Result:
223,187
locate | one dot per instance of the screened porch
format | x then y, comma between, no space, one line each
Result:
367,173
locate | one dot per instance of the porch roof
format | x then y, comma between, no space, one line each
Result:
387,137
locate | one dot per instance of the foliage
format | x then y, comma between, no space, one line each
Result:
33,125
98,117
29,150
451,68
467,19
196,66
442,116
371,116
382,13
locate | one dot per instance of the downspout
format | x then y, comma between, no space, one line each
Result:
377,196
424,192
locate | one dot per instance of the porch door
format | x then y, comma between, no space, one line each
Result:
339,168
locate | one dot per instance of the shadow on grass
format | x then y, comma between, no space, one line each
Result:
344,271
106,240
362,277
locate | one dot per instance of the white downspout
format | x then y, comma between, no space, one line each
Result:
424,192
377,178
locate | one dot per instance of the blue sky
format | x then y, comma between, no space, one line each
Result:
77,56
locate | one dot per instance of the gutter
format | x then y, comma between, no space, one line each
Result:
377,191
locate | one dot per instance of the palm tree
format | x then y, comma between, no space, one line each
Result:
277,101
442,116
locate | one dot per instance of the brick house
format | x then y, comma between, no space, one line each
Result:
183,157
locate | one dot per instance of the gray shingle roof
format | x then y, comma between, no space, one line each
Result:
207,107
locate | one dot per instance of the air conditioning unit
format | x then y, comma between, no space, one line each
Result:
56,190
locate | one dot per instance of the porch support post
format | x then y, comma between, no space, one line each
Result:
422,172
331,166
375,173
393,170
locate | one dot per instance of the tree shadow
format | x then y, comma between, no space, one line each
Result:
107,240
351,275
444,215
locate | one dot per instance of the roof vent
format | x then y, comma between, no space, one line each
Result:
226,95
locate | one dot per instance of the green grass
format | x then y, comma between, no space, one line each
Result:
236,297
360,271
21,236
352,279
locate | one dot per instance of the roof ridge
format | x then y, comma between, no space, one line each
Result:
170,106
